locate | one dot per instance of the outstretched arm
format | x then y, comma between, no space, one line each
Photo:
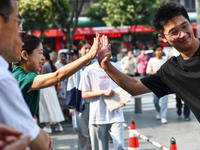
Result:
94,94
131,85
46,80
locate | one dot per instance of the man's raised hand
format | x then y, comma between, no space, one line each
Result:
104,53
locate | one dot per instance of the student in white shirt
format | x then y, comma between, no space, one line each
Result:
95,84
153,66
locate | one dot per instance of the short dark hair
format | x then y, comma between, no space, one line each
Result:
129,51
6,8
165,13
63,53
73,52
155,47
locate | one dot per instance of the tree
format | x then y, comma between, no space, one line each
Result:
67,26
36,12
50,13
124,12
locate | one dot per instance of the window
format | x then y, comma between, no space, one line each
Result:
190,4
193,4
177,1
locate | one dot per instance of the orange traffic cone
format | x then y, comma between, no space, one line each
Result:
173,144
133,140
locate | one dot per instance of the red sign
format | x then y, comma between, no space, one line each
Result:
110,31
49,33
83,31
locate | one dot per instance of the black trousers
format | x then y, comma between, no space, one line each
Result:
179,104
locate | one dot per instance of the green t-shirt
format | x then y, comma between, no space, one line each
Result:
25,81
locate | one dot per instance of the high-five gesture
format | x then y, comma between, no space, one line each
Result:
104,53
95,47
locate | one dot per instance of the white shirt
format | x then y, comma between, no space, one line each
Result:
95,78
174,52
58,64
14,111
128,65
154,64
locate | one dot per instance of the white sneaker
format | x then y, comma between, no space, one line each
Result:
158,116
164,120
59,128
48,130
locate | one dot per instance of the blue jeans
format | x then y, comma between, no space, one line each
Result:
163,108
99,136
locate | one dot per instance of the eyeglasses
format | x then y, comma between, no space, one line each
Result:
19,20
176,32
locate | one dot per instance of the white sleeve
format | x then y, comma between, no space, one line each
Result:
149,66
85,81
71,82
14,111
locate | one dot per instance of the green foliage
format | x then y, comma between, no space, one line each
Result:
124,12
65,10
35,11
38,13
96,12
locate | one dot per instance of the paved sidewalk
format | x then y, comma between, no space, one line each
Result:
187,134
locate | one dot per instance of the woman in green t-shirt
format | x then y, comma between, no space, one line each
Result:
31,62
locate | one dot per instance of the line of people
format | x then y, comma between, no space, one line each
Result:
29,60
17,108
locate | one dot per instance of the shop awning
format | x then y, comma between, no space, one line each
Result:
192,16
87,22
100,30
49,33
141,29
84,31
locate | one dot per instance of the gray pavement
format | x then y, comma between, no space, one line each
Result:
187,134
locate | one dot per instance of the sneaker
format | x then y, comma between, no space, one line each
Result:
48,130
187,119
59,128
163,120
158,117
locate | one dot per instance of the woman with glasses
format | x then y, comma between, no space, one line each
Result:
31,62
